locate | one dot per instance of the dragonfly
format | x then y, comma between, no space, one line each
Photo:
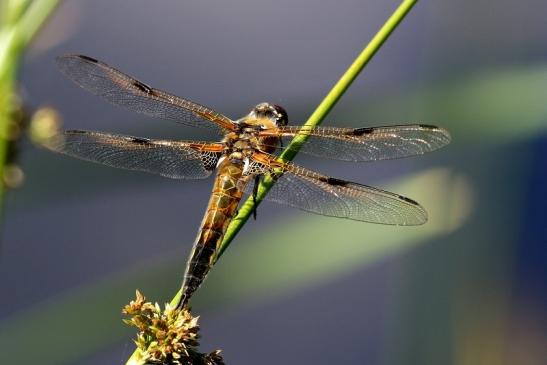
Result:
245,153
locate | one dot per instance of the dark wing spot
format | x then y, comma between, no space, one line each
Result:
334,181
428,126
138,140
89,59
142,87
361,131
408,200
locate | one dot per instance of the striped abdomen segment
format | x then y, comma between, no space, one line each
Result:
221,209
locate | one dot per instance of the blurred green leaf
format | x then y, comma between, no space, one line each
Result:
495,106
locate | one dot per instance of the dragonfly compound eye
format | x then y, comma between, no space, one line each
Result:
282,118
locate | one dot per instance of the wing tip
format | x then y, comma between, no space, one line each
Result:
72,56
57,142
67,62
420,214
443,133
54,142
420,217
417,214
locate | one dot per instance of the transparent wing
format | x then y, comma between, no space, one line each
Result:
173,159
310,191
366,144
121,89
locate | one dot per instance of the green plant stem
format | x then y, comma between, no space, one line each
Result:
22,21
34,18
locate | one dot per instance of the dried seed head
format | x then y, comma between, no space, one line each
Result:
169,336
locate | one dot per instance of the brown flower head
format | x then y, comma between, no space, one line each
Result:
167,337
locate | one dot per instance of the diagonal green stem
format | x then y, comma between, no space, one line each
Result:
317,116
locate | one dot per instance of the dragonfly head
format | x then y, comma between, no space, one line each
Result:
271,111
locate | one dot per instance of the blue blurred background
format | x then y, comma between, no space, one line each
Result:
466,288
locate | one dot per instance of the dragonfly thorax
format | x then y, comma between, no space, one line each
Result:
246,138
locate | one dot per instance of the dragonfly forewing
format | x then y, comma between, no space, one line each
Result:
121,89
366,144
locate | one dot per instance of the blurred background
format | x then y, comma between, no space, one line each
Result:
466,288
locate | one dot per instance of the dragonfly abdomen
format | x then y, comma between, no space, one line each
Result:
221,209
